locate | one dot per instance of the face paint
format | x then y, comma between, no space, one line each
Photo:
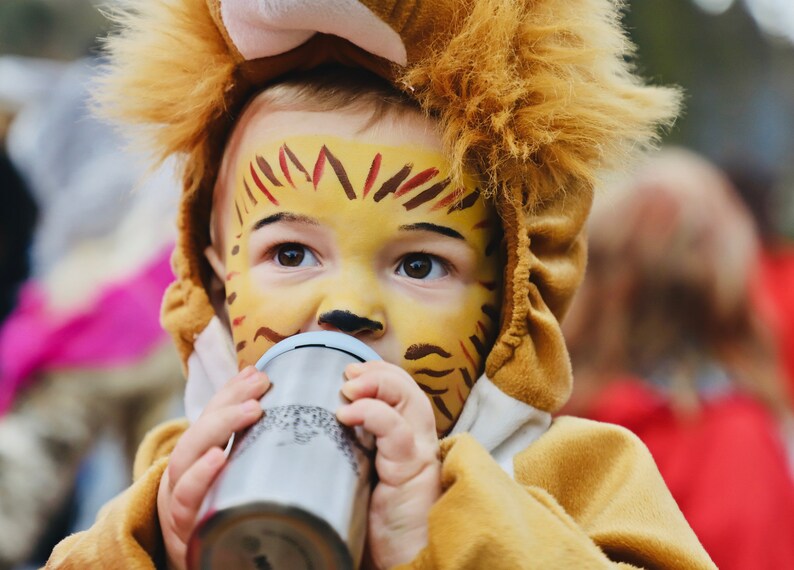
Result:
374,241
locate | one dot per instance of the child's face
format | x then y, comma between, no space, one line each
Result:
357,230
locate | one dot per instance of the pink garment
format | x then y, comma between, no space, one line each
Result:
121,325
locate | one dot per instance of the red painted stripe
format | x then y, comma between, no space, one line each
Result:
481,225
238,321
282,161
319,167
416,181
448,199
467,355
261,186
373,174
231,274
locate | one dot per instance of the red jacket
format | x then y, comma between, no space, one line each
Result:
725,466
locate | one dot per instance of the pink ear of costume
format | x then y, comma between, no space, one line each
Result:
262,28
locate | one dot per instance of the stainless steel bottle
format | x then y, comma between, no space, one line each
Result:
294,494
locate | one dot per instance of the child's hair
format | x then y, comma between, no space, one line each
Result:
669,286
334,88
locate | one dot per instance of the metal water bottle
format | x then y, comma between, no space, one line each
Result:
294,494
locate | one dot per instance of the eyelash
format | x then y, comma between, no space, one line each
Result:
271,253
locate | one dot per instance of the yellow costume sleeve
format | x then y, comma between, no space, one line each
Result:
126,533
585,495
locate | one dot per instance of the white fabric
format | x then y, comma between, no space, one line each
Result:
503,425
211,365
261,28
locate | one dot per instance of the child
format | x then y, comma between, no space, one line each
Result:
438,219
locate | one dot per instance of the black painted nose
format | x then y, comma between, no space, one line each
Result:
348,322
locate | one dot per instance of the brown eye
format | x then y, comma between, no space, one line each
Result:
292,255
421,266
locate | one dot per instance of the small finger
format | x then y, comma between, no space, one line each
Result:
211,430
193,486
394,436
248,384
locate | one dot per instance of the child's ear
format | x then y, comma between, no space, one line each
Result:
215,261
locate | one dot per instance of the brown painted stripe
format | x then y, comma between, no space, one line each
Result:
417,351
490,285
240,345
261,185
341,174
230,299
393,183
374,169
467,355
282,162
482,224
492,245
269,334
482,328
297,163
239,215
319,168
235,250
248,191
433,373
416,181
442,407
432,391
466,203
264,166
478,345
466,377
491,312
427,195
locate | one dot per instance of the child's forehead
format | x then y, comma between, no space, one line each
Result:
339,178
275,148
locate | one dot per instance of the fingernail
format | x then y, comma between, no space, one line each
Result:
347,390
248,371
340,413
353,370
257,376
250,407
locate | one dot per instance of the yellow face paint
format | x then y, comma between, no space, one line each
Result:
333,233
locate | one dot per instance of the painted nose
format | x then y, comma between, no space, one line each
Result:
349,323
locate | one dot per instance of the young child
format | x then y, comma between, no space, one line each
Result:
437,216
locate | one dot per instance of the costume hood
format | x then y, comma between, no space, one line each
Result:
534,95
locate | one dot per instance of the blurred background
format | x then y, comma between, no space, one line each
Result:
735,61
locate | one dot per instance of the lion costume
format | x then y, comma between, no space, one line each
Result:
535,96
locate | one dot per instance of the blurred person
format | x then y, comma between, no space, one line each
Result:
773,287
83,359
664,340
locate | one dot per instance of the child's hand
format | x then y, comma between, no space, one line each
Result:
388,403
198,457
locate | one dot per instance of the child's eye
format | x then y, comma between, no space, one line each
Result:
295,255
421,266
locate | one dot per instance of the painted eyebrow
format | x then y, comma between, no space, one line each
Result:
428,227
284,217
